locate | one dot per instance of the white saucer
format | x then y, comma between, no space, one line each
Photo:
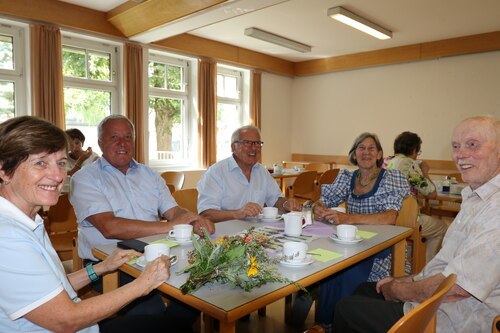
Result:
141,262
264,219
346,242
189,241
309,259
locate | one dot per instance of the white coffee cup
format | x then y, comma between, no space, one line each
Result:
294,251
339,209
153,251
269,212
181,232
293,223
346,231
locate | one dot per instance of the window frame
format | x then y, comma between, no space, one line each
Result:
20,74
188,114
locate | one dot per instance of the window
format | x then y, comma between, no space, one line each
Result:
90,85
171,121
12,79
231,109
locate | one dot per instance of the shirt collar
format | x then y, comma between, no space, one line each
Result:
10,210
105,164
234,165
484,191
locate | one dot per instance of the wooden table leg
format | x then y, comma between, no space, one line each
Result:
110,282
227,327
208,323
398,258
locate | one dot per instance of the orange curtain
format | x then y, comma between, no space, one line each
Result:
207,111
255,98
47,79
134,97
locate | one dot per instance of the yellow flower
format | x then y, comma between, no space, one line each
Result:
254,265
220,240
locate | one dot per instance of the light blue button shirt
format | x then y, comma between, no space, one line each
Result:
31,273
225,187
141,194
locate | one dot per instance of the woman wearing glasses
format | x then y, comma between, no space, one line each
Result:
239,186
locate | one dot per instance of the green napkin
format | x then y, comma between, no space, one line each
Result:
366,234
324,255
159,241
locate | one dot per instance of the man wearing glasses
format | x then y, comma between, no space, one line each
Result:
239,186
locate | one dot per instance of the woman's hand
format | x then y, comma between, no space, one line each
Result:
115,260
335,217
154,274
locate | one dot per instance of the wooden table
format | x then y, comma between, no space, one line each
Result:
331,164
229,304
447,210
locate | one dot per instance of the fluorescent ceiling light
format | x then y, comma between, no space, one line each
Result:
278,40
343,15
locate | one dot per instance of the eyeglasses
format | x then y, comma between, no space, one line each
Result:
248,143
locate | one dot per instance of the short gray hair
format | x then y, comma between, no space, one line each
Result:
236,134
100,127
361,138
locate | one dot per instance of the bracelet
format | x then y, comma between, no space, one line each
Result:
91,273
78,166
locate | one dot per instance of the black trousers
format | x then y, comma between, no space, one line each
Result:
366,311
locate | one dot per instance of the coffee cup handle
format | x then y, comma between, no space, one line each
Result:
171,233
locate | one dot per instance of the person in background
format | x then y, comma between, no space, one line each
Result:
470,250
373,196
37,295
239,186
77,157
116,198
406,149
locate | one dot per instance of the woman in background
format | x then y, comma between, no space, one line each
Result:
77,157
36,294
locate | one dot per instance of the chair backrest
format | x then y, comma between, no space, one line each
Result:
187,198
328,176
407,217
175,178
61,217
304,183
171,188
422,318
320,167
496,325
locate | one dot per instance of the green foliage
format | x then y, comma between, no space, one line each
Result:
239,260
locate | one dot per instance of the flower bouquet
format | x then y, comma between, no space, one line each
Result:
239,260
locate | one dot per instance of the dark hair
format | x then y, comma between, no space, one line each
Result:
361,138
76,134
407,143
23,136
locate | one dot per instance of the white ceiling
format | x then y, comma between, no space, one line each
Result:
411,21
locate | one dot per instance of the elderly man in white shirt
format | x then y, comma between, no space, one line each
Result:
239,186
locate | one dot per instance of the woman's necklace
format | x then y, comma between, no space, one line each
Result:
374,176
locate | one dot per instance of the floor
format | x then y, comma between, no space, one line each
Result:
273,322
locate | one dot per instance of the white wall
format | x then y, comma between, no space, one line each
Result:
427,97
276,102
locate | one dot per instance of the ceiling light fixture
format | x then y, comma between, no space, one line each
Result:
278,40
343,15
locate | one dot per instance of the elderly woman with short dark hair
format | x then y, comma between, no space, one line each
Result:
373,196
36,294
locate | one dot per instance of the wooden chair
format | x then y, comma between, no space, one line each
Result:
77,261
423,317
175,178
328,176
171,188
318,167
407,217
304,187
62,227
187,198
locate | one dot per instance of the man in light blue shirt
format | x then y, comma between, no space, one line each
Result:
117,198
238,186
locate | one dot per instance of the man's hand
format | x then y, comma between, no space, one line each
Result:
250,209
202,222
